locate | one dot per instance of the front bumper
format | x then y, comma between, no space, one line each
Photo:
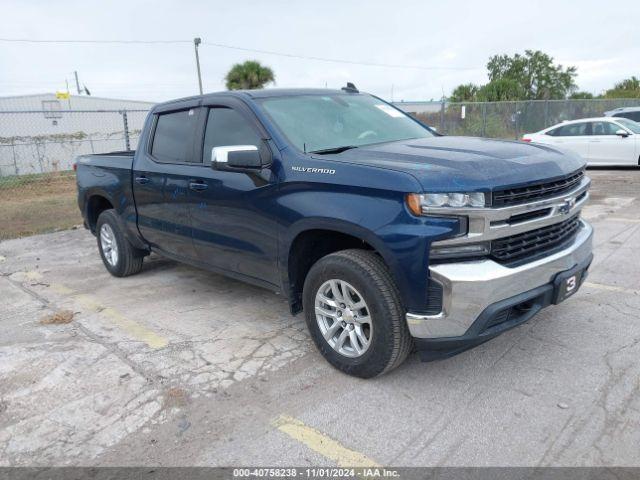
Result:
472,288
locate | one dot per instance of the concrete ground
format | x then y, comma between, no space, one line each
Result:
177,366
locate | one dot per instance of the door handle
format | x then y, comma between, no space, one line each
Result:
142,180
198,186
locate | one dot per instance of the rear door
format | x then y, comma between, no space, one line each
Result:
161,180
234,228
606,147
573,136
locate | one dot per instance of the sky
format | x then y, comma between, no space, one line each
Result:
450,41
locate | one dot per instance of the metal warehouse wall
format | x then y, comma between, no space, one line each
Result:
39,133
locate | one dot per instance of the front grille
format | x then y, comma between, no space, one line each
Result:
515,196
535,242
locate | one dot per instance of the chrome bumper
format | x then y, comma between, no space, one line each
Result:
470,287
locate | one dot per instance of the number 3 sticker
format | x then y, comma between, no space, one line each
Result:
571,283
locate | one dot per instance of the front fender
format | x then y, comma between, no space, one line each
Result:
383,222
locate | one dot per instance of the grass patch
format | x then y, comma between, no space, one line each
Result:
32,204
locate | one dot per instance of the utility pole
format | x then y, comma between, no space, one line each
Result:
68,96
197,41
75,73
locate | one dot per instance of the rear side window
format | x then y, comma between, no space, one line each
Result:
571,130
635,116
173,137
227,127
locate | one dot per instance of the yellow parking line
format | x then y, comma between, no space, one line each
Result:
611,288
61,289
132,328
321,443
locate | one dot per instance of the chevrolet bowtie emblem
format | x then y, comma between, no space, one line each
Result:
567,205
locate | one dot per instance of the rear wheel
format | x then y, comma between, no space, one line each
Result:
120,258
354,313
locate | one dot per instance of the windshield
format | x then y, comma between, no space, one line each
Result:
314,123
630,124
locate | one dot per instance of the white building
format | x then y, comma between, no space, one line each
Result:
419,106
42,133
40,101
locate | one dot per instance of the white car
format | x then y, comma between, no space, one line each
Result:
632,113
600,141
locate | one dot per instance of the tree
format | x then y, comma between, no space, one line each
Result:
532,76
467,92
535,72
627,88
248,76
582,95
501,89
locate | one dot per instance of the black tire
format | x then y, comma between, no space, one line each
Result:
129,261
390,340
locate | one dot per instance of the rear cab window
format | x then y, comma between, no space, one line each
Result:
173,136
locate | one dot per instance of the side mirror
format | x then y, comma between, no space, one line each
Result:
236,157
622,133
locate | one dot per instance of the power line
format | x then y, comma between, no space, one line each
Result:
243,49
144,42
333,60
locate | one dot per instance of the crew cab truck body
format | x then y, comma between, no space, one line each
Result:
385,233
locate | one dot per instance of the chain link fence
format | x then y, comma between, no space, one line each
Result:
37,150
510,120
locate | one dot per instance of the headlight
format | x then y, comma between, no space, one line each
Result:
420,203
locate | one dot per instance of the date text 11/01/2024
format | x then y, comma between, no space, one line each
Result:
316,472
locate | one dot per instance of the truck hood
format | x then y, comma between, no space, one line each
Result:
466,163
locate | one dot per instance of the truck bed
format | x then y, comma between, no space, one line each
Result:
121,159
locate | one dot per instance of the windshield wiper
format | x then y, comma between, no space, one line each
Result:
325,151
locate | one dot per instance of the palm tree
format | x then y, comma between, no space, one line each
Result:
249,75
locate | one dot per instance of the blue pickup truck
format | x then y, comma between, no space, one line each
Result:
387,235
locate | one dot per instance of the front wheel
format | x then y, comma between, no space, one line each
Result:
354,313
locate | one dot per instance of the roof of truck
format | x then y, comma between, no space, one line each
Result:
290,92
264,93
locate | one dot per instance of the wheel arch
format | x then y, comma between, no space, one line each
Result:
311,240
97,202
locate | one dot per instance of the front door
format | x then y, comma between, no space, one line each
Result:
161,181
607,147
234,228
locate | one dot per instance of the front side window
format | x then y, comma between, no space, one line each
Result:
173,137
571,130
604,128
314,123
226,127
